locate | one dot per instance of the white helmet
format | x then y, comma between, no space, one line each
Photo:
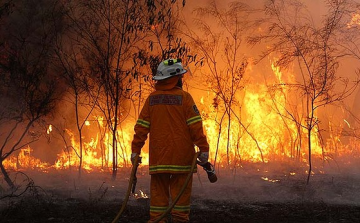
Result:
169,68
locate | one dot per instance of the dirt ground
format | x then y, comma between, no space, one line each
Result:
245,196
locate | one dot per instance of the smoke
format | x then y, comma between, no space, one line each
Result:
250,182
266,187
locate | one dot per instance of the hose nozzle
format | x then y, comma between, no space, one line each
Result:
209,168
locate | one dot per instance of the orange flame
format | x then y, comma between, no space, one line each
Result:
355,21
258,133
25,160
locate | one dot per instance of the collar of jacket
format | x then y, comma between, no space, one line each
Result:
167,84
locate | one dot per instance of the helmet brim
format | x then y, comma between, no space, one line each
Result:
159,78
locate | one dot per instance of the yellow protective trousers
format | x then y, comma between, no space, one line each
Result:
165,187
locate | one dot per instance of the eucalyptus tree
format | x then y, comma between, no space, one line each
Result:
291,31
218,39
79,91
119,42
29,84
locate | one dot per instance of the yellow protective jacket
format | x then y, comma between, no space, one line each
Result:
175,126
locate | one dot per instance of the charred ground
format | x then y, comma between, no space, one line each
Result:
81,211
241,197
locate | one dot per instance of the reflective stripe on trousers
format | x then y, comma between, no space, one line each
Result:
163,188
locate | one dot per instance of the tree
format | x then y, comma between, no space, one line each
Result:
112,40
28,81
81,93
292,34
220,46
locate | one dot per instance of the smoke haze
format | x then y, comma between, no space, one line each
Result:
278,178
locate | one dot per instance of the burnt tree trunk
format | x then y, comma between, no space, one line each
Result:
310,162
6,175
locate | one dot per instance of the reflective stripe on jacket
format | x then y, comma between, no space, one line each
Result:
175,126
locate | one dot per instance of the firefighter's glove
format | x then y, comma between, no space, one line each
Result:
133,155
203,158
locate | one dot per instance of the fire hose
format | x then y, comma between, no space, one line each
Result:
131,187
132,183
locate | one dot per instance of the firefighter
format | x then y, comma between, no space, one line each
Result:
175,126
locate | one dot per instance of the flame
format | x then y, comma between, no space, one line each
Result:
263,135
258,133
98,154
141,195
25,160
355,21
270,180
49,130
277,71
